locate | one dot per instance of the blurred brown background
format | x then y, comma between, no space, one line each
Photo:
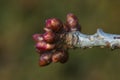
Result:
20,19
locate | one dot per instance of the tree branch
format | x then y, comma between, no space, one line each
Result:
100,38
53,45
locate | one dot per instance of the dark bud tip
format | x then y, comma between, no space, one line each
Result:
65,57
45,59
53,24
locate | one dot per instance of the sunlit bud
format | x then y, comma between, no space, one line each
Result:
53,24
42,45
49,37
45,59
72,22
37,37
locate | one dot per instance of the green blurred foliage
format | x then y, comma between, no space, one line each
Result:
20,19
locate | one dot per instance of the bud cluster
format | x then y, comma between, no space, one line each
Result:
51,44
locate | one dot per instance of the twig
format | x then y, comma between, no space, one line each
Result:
53,45
100,39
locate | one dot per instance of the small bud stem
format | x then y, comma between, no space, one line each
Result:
100,38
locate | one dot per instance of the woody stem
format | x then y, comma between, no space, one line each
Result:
100,38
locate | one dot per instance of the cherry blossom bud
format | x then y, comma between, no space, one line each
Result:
49,37
53,24
72,22
43,46
56,57
45,59
60,56
37,37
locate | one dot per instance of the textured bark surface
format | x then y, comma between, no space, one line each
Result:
100,38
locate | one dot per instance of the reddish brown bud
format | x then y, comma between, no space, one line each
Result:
56,57
43,46
49,37
60,56
72,22
65,57
53,24
45,59
37,37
